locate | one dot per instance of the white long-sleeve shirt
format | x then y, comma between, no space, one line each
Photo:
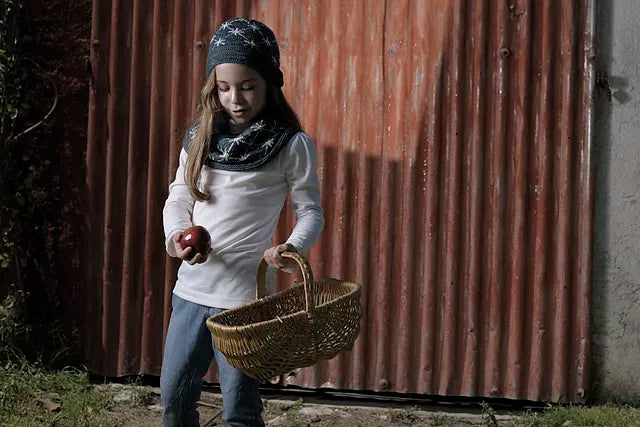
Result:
241,217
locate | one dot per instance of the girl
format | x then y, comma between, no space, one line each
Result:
240,159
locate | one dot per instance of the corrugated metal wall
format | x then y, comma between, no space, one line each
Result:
455,164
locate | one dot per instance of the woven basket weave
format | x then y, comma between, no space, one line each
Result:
294,328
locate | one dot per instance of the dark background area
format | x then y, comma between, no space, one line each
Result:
43,178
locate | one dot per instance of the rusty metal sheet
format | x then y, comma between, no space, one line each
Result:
454,143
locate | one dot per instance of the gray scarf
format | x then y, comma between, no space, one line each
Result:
253,147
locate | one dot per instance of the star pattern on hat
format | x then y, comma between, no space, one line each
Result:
238,28
236,31
241,37
251,43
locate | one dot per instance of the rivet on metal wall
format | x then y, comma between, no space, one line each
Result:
504,52
384,383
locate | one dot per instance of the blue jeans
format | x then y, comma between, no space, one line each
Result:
188,353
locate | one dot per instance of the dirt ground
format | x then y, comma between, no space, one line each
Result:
140,406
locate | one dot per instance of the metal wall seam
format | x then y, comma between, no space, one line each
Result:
541,176
96,179
473,197
157,177
586,190
517,185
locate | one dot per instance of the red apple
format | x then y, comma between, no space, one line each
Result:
196,237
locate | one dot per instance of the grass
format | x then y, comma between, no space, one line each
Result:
574,416
140,395
292,412
406,416
24,386
489,415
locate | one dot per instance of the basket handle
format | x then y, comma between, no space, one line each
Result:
307,277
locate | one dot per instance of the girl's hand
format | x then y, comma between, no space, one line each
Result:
272,257
184,254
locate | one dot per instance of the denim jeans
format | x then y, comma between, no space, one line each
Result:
188,353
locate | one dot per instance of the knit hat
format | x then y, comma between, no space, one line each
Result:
247,42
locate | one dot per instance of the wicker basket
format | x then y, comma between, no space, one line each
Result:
290,329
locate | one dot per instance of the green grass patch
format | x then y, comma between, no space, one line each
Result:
406,416
574,416
29,395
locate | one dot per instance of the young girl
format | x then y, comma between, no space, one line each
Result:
242,157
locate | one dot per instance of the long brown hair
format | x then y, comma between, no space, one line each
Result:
213,119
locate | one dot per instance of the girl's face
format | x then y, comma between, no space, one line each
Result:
242,91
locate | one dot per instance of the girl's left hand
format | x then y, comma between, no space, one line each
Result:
272,257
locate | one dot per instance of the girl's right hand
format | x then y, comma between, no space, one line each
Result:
184,254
